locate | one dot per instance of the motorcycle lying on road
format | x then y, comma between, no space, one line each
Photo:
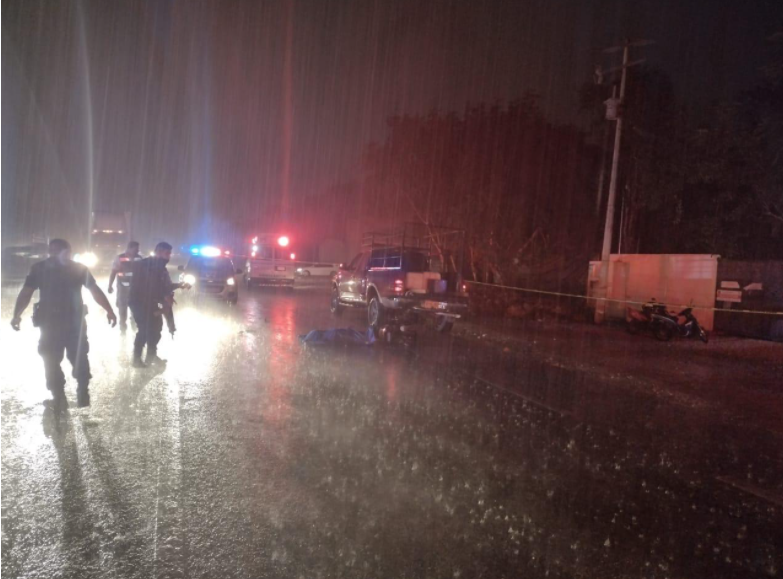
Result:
654,317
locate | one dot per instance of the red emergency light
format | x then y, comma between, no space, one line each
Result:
293,256
282,241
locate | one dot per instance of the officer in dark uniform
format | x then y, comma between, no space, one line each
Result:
122,270
60,314
151,292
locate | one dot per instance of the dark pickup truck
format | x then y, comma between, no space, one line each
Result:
399,283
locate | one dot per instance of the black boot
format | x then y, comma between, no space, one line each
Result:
82,398
58,403
153,360
137,363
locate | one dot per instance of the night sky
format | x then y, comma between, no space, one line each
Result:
196,115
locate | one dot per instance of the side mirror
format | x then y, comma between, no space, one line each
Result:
181,267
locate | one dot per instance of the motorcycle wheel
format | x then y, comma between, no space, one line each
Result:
703,336
662,333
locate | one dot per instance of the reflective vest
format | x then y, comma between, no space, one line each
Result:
125,271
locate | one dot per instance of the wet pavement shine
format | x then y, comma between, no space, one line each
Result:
251,456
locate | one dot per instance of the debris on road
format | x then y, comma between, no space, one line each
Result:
338,336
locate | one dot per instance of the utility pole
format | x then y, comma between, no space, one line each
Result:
614,107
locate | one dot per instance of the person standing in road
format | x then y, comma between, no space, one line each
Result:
122,270
60,313
151,291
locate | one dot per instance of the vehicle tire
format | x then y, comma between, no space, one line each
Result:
306,273
376,313
334,304
444,325
233,301
662,333
633,327
703,336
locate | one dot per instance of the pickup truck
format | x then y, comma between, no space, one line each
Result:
397,284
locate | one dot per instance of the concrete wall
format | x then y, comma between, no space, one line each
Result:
688,279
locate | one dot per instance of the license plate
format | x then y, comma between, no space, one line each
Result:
430,305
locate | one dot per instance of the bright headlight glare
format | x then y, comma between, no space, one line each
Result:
87,259
230,281
189,279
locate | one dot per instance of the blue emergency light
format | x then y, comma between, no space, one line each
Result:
208,251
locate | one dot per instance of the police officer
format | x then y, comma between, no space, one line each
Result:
122,270
60,315
151,291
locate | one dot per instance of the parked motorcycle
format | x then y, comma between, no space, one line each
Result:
670,325
649,319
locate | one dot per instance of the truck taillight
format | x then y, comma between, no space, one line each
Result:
399,285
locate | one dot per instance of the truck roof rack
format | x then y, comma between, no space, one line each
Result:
422,237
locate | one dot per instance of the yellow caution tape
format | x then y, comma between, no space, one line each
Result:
562,294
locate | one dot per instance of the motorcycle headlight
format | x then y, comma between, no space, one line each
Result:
230,281
189,279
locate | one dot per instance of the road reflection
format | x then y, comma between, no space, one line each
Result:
282,342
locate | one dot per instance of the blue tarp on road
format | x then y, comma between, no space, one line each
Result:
338,336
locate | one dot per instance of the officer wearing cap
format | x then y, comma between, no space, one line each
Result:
60,314
122,271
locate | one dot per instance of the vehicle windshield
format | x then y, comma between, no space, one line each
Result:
216,265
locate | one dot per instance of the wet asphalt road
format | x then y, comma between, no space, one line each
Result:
249,456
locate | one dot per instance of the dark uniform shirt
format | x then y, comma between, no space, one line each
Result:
150,284
60,286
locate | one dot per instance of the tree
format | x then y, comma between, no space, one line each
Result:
514,182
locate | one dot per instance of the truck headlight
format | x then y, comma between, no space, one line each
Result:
230,281
189,279
87,259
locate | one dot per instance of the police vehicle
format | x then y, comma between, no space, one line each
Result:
211,273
